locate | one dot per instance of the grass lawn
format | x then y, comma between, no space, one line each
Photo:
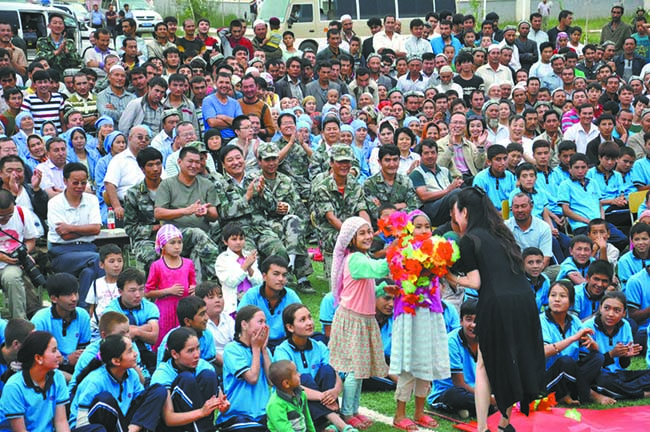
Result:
384,402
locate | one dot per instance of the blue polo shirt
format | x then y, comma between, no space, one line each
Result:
327,309
21,398
585,304
628,184
552,333
70,336
541,288
638,295
386,331
497,189
537,196
611,187
450,314
237,360
309,361
622,333
537,235
90,353
461,361
3,327
582,199
640,173
629,265
548,183
559,174
569,266
212,106
206,343
273,316
138,316
166,372
101,380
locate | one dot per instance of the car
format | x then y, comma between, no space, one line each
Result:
143,13
80,12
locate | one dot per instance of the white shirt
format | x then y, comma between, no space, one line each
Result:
418,46
501,136
230,274
52,175
59,210
96,55
26,230
123,172
491,76
222,333
380,40
577,134
105,293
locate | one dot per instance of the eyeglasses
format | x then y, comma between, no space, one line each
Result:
143,137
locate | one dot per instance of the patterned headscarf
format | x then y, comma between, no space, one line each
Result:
341,251
166,233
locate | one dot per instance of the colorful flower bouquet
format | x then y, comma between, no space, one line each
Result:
416,263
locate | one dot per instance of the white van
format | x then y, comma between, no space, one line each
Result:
143,13
30,23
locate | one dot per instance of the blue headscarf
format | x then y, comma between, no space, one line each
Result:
110,139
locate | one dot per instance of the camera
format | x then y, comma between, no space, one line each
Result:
28,265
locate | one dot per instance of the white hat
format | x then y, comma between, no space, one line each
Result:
258,22
494,47
346,17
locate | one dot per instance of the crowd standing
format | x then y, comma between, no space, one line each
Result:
223,158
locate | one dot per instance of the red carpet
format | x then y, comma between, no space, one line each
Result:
629,419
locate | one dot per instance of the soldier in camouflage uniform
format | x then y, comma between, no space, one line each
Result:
289,217
60,53
330,206
320,161
387,186
295,154
243,196
192,203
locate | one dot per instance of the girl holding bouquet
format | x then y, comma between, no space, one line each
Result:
355,344
419,352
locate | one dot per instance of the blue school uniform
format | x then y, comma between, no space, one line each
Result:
611,187
273,316
327,310
541,288
637,292
70,336
237,360
552,333
3,327
137,316
91,352
584,199
546,182
309,361
461,361
560,174
628,184
537,196
451,317
101,380
585,304
386,332
641,172
206,343
166,372
570,266
628,265
496,188
21,398
622,333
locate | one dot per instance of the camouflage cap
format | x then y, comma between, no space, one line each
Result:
267,150
198,145
341,152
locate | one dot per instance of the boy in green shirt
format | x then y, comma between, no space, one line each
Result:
287,409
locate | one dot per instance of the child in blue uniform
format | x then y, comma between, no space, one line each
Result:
588,294
574,267
614,337
191,384
246,362
572,358
638,257
533,265
69,324
109,391
34,399
14,334
495,180
320,381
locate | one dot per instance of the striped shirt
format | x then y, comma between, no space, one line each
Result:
43,111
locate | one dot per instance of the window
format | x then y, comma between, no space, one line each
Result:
376,8
302,13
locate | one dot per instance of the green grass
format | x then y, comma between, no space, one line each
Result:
384,402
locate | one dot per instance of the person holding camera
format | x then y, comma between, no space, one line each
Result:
18,235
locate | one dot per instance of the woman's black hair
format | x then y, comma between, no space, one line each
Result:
177,340
616,295
568,286
481,213
112,346
244,314
408,132
35,344
289,315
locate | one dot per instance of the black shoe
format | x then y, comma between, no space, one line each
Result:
305,287
508,428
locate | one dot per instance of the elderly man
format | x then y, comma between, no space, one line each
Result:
123,171
190,202
530,231
112,101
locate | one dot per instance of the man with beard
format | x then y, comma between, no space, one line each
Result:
616,30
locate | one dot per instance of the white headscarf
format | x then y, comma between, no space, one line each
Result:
347,233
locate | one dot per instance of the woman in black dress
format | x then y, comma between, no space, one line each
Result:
511,360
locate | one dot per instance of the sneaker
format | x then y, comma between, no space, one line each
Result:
463,414
305,287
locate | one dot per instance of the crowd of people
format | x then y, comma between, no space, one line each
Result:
224,158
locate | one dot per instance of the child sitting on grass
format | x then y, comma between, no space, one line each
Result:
287,408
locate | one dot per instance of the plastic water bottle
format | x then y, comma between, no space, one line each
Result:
110,220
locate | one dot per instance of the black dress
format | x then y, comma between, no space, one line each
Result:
507,322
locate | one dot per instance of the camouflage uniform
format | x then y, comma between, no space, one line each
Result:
235,208
139,222
320,163
402,190
290,227
296,166
45,48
